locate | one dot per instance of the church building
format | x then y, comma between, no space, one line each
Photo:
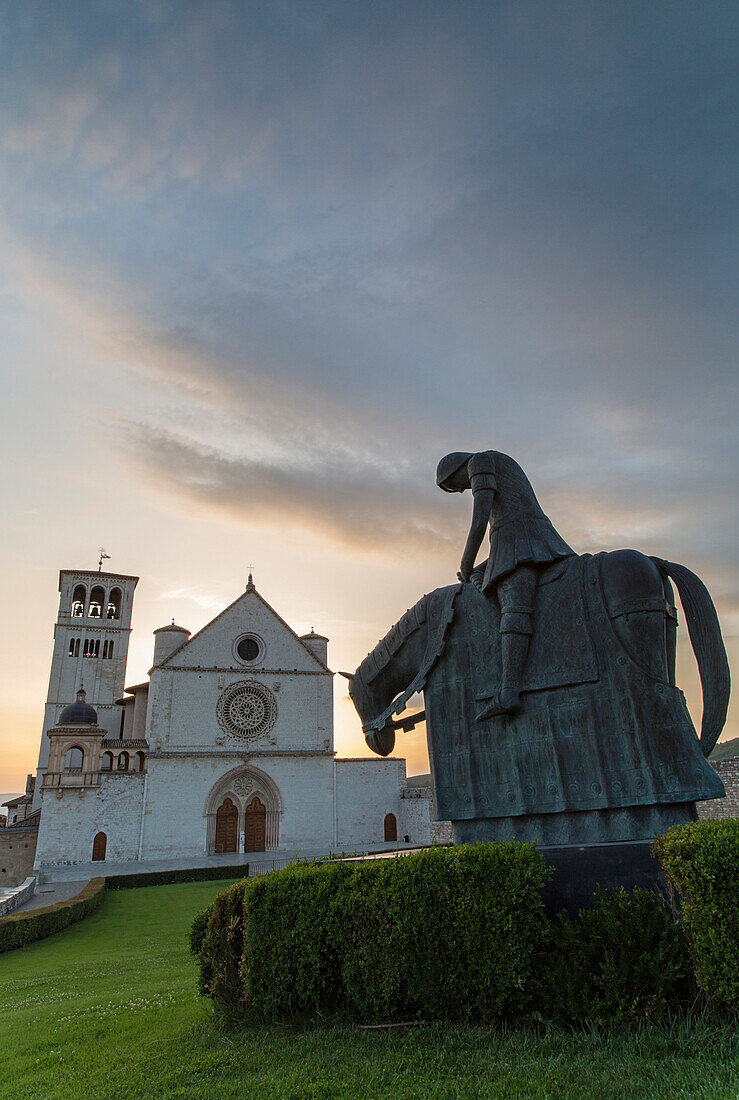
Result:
227,746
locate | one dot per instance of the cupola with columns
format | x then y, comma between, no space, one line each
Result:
75,747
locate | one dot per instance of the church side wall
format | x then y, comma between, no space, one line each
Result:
69,824
367,790
414,820
17,851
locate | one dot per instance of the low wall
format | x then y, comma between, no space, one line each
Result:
17,852
719,809
16,897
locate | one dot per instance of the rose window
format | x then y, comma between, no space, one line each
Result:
247,710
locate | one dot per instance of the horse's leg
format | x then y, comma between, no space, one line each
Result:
635,598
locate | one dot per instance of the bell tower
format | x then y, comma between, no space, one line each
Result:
91,637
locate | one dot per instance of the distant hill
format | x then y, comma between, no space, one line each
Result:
418,781
725,750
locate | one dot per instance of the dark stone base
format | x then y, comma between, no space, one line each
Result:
578,827
578,869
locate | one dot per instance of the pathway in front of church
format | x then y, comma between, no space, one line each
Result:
51,894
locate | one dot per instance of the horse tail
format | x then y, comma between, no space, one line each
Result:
708,646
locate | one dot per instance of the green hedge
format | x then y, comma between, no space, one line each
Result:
448,932
622,960
701,862
162,878
35,924
217,939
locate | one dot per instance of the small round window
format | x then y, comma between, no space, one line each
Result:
248,648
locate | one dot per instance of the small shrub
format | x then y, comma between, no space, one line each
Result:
35,924
165,878
198,928
444,932
221,948
701,862
625,959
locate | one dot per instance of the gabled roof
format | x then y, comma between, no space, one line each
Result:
250,590
18,801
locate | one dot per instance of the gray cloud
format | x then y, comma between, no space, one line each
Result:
350,237
356,506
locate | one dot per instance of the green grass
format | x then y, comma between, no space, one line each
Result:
108,1008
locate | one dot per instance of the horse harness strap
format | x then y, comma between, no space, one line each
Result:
434,648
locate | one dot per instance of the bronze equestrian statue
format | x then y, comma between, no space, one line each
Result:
551,707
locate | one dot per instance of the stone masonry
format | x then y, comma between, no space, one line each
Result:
720,809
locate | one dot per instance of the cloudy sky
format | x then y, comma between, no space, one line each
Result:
263,263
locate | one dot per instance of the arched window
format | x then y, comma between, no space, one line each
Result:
141,760
78,601
391,827
74,647
74,759
107,650
113,610
106,764
123,762
97,598
99,844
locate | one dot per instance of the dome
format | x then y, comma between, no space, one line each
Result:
78,713
172,627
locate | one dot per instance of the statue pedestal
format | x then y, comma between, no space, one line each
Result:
579,869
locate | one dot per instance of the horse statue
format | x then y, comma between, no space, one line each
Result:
601,747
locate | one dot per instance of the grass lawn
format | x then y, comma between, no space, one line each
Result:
108,1008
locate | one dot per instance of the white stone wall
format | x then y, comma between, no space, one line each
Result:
414,821
182,710
178,793
367,790
69,824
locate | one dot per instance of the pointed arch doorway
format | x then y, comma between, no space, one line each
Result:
255,826
259,808
227,827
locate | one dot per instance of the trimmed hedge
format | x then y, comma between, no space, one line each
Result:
35,924
701,862
217,939
447,932
625,959
163,878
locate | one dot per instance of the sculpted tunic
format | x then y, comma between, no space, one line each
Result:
520,532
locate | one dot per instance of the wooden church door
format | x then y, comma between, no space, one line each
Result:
255,826
99,845
227,821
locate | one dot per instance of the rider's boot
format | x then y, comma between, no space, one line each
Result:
515,648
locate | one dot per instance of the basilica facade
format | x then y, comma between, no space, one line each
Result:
227,746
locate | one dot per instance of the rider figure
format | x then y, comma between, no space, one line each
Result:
522,540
